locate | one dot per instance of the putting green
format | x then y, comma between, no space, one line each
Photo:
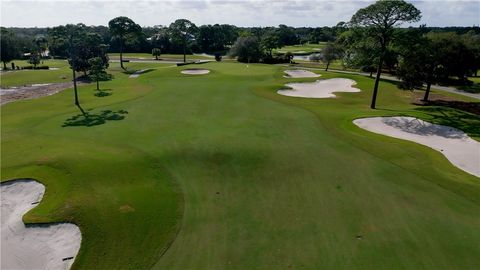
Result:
221,172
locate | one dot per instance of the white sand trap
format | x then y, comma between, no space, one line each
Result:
320,88
46,246
299,73
195,71
461,150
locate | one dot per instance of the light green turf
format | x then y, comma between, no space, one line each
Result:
302,49
248,179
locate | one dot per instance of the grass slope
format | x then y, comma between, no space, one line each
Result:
247,178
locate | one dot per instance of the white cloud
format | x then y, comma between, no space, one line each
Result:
238,12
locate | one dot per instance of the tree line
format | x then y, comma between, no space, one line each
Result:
216,38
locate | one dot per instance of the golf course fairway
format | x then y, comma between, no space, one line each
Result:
221,172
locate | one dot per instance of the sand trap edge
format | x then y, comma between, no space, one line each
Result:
451,151
60,261
289,74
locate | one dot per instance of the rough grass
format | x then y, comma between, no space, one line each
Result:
249,179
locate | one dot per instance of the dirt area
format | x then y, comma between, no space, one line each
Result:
8,95
441,100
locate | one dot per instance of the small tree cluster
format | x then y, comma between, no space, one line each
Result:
156,52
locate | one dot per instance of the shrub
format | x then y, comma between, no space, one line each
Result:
247,50
156,52
31,67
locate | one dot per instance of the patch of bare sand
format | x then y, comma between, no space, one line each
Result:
320,88
195,71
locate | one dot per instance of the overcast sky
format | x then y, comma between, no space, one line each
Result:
238,12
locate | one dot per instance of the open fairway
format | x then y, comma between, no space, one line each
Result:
61,73
302,49
218,171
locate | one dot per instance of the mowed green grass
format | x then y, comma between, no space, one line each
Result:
235,176
27,77
304,48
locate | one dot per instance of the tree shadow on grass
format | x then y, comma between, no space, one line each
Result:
464,121
89,119
103,93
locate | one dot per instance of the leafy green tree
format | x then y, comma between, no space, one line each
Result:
57,41
156,52
41,44
269,42
472,41
381,17
455,56
9,47
98,70
329,54
34,59
286,35
74,36
89,47
181,31
121,29
216,38
247,49
161,39
360,50
419,62
433,58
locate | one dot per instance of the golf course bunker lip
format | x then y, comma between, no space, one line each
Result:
461,150
300,73
319,88
195,71
33,246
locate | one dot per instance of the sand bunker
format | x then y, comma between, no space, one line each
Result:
46,246
461,150
320,88
195,71
299,73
